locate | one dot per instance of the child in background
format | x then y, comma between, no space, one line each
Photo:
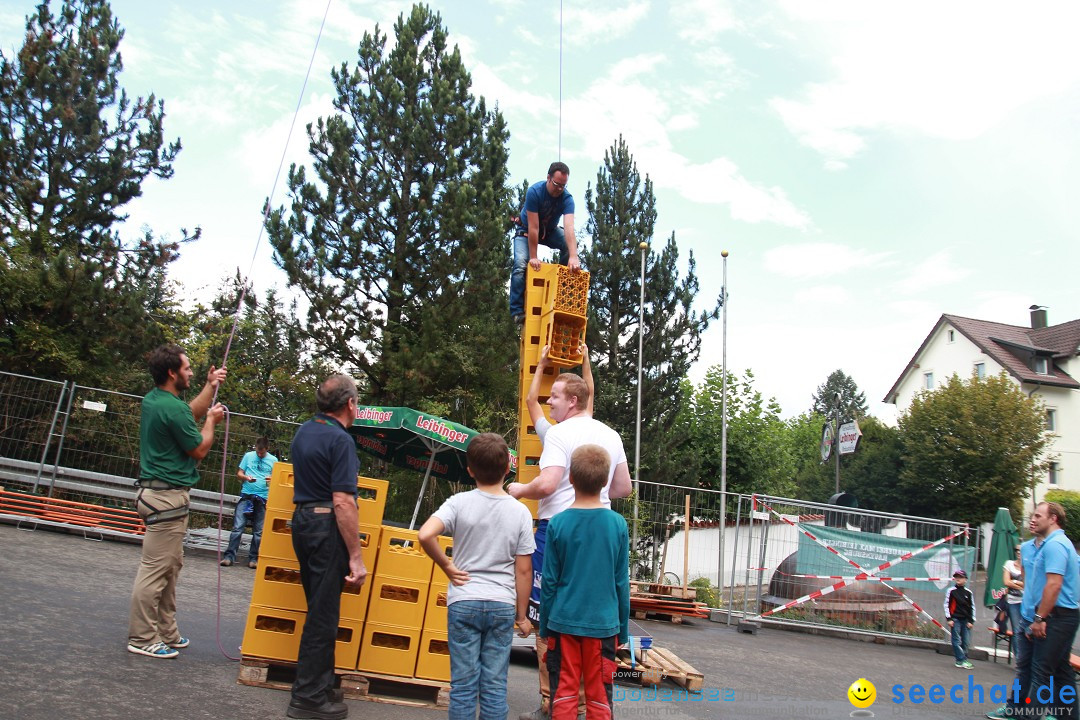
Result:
585,594
960,612
490,580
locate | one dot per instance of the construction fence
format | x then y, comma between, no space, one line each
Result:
788,560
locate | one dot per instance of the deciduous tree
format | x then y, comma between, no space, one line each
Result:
970,447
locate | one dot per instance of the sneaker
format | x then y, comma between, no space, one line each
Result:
519,319
225,563
537,714
252,564
154,650
964,664
1001,712
328,710
181,643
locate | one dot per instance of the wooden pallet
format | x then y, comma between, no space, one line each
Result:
638,587
675,669
674,618
659,664
357,685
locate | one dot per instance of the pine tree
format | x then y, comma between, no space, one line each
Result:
852,400
398,241
76,301
622,214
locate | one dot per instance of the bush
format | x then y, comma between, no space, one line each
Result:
1070,500
706,592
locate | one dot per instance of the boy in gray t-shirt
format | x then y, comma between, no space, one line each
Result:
490,579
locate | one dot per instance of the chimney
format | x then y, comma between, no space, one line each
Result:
1038,316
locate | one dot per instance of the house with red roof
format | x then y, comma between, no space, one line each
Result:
1042,359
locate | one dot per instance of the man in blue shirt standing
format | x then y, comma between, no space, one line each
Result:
1054,582
255,469
545,203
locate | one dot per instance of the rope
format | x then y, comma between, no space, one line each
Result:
239,306
560,76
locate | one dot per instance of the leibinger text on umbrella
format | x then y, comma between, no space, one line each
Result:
447,433
379,416
372,444
422,463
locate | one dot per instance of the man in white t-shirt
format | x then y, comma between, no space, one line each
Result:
570,398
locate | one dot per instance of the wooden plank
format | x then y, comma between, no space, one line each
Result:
357,685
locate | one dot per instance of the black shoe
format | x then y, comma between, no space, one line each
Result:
519,319
335,695
326,711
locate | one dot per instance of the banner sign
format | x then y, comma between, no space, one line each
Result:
872,549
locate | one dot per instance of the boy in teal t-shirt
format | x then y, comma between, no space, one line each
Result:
585,594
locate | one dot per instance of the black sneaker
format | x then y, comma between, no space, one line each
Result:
328,710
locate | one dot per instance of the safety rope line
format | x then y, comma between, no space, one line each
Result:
239,307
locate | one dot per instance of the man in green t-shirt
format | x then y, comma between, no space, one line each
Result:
170,446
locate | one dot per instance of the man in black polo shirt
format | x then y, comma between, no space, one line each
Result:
326,541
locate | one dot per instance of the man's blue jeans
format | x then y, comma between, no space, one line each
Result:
555,240
480,633
1050,666
1022,655
961,640
256,507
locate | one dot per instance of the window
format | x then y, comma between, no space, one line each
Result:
928,381
952,335
1041,366
1051,420
1053,474
980,370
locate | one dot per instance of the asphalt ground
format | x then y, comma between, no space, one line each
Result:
63,624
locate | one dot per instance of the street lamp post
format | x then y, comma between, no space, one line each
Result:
723,433
644,246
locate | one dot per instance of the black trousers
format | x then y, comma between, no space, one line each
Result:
324,563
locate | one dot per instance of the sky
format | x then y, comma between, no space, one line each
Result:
868,166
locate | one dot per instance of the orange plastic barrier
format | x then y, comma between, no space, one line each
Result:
69,512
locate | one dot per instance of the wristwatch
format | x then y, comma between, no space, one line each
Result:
1039,618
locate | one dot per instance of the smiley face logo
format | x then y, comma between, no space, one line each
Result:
862,693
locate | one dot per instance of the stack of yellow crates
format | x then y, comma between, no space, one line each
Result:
278,606
399,595
556,315
433,660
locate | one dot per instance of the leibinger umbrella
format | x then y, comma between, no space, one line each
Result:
418,441
1002,541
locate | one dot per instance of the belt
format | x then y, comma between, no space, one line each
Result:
315,504
155,485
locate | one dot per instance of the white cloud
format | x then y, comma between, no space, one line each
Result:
827,297
936,271
809,260
600,21
952,70
700,21
602,108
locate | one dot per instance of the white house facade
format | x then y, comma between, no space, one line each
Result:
1041,359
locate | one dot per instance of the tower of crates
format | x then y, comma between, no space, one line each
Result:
395,624
556,306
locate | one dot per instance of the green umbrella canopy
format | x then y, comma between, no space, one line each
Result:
411,439
1002,541
417,441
